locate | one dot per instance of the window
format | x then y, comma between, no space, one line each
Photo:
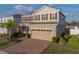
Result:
49,30
44,16
37,17
53,16
31,29
23,19
44,30
27,18
34,29
39,30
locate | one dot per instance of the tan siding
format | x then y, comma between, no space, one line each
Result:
47,11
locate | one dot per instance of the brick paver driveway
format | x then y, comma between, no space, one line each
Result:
30,46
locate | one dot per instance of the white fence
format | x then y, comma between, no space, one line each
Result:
74,31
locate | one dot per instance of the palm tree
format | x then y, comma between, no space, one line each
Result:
11,24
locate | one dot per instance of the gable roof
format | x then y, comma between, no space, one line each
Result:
47,8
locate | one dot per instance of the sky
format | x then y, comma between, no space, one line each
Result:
70,10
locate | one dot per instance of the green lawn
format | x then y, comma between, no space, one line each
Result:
72,46
4,42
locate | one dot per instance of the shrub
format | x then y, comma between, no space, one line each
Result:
16,35
20,34
56,39
63,34
28,35
66,37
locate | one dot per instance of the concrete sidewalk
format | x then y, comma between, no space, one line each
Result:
2,52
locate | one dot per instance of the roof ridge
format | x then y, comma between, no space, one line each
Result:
46,7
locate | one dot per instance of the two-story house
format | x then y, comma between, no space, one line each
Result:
45,23
16,17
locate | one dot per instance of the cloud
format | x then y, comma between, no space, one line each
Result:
65,13
23,8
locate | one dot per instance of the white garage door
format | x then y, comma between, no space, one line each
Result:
42,34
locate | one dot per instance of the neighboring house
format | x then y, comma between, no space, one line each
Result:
16,17
4,19
73,30
45,23
3,30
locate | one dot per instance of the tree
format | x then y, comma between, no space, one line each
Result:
11,24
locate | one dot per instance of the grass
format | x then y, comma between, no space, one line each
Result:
4,42
72,46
